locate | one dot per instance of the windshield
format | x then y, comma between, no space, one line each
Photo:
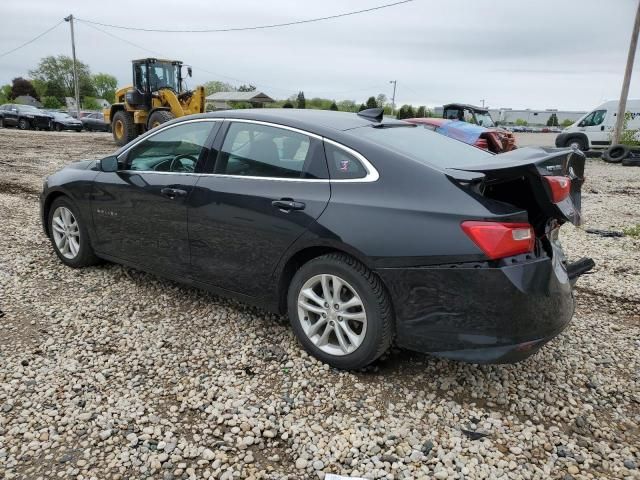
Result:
28,108
426,146
484,120
163,75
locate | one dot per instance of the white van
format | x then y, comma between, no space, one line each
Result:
594,130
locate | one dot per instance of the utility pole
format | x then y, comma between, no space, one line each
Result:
622,104
75,66
482,102
393,97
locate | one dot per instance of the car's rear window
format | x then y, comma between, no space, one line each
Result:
426,146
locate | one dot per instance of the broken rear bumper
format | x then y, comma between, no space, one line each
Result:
478,313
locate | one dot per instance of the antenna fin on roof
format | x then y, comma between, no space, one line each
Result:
372,114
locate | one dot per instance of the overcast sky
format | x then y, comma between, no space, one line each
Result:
566,54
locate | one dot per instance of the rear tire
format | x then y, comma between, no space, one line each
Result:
159,117
64,223
355,333
124,129
23,124
1,122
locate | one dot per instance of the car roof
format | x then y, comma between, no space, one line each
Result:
311,120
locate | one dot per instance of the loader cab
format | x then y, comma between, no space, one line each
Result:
151,75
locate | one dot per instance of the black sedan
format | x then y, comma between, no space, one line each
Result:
363,229
25,117
94,122
64,121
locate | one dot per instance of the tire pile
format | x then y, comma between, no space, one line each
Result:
628,156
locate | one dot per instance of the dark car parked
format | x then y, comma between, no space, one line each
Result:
362,229
25,117
64,121
95,122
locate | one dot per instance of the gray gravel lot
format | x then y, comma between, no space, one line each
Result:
109,372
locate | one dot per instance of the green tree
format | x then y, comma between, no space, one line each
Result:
566,122
371,102
421,112
521,123
51,102
347,106
246,88
552,121
333,106
629,136
301,102
105,86
381,100
362,107
90,103
4,93
57,74
287,104
406,111
217,86
40,86
22,86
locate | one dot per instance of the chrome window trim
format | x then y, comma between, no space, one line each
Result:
371,176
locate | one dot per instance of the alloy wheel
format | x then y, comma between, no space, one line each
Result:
66,232
332,314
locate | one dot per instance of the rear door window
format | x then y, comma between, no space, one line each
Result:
342,164
256,150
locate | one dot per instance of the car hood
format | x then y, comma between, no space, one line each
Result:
81,165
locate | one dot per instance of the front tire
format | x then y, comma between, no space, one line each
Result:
340,311
124,129
57,127
24,124
69,235
576,142
159,117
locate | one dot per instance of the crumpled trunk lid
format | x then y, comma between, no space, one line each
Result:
516,178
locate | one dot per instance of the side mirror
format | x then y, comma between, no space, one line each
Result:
189,71
108,164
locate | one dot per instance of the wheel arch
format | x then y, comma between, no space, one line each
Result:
46,206
299,257
583,137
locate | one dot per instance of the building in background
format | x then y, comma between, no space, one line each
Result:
221,100
510,116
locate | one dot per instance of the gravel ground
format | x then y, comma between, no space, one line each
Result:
108,372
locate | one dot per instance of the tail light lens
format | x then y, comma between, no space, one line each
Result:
499,240
560,187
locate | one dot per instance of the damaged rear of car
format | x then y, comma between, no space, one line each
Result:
504,303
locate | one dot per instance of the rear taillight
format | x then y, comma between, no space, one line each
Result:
560,187
499,240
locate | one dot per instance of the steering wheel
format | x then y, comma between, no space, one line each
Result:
176,164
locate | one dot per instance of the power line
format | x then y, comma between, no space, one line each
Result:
256,27
215,74
30,41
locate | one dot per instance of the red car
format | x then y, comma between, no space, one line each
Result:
485,138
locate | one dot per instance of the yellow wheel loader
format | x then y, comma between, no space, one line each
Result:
156,96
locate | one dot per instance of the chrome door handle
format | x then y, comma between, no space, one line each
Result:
173,192
288,204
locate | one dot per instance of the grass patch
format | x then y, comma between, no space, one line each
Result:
632,231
